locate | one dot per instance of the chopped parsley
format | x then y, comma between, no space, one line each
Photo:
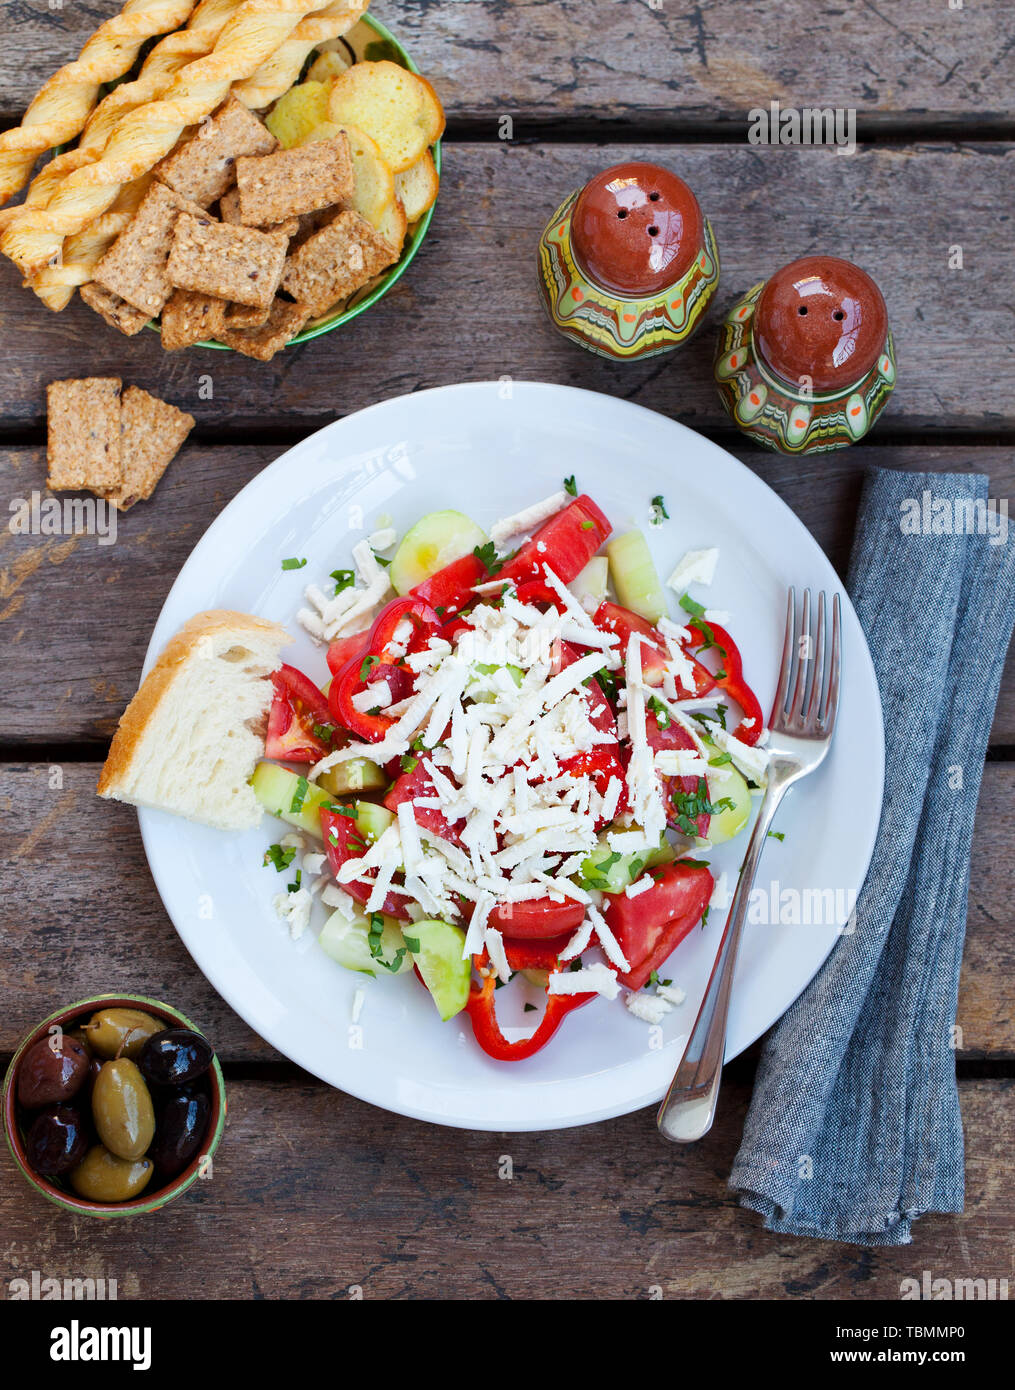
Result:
278,856
344,579
294,887
367,665
325,732
595,876
381,560
409,763
662,714
588,525
299,796
697,612
570,486
659,512
688,806
349,811
293,564
654,979
607,683
777,834
487,555
720,760
529,1008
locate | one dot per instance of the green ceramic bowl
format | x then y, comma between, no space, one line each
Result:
370,40
52,1188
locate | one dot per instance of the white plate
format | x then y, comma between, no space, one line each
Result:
490,449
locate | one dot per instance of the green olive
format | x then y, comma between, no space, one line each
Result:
120,1032
102,1177
122,1109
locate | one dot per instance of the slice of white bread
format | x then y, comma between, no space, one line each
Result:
189,739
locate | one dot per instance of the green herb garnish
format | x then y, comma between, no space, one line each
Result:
659,512
344,579
367,665
278,856
570,486
299,796
662,714
293,564
487,555
688,806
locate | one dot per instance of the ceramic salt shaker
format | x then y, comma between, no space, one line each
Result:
629,263
805,360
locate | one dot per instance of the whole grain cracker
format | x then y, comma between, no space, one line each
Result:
204,167
294,181
190,317
134,267
336,261
226,261
83,434
284,322
229,211
246,316
152,431
116,311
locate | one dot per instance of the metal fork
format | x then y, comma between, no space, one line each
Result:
802,724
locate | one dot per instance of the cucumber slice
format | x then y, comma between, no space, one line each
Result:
357,775
439,961
634,576
435,541
487,697
612,872
591,583
279,791
732,819
372,820
348,942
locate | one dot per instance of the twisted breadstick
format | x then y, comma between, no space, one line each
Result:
60,110
143,137
55,284
282,69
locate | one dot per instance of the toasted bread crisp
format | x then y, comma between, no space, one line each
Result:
116,311
83,446
229,211
228,262
335,262
292,182
205,166
134,267
246,316
151,434
190,318
284,322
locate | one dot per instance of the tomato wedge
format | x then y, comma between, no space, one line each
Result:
566,542
300,726
450,589
676,788
535,955
417,782
600,709
537,920
602,765
343,649
611,617
342,842
650,926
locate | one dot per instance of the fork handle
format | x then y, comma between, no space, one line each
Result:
688,1110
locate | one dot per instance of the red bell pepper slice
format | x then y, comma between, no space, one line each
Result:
650,926
539,919
342,841
482,1010
611,617
300,725
450,589
382,662
566,542
732,681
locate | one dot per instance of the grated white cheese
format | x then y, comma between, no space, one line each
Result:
520,523
697,567
648,1007
591,979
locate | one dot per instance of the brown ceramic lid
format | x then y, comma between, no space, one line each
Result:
635,229
822,318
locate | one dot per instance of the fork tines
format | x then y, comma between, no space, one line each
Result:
807,696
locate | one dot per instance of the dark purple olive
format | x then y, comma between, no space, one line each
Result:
57,1140
52,1070
180,1126
174,1057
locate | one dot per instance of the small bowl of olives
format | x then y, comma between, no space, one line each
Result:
114,1105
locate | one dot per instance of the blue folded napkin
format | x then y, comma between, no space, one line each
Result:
854,1128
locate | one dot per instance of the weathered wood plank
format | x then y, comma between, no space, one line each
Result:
638,62
315,1195
469,309
81,914
66,588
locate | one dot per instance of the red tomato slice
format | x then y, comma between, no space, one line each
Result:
601,712
408,786
342,842
611,617
536,592
343,649
450,589
537,920
533,954
674,736
602,765
649,926
300,726
567,542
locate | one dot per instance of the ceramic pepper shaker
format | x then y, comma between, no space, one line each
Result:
629,263
805,360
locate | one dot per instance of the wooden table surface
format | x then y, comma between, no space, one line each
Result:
315,1192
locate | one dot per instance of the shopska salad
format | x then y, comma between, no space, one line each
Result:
510,770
